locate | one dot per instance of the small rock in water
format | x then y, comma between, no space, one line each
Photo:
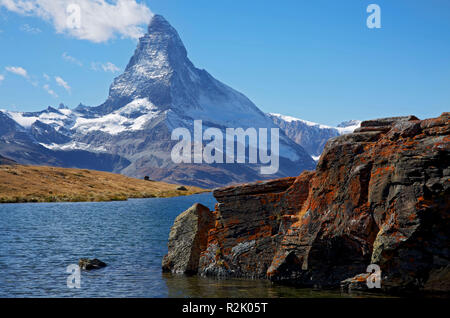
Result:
182,188
88,264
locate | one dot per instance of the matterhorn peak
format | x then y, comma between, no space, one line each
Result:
159,63
159,24
162,36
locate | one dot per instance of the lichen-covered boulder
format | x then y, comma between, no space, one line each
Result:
250,220
188,237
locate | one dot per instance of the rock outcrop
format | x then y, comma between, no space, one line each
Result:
188,238
378,196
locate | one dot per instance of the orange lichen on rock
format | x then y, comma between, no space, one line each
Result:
380,195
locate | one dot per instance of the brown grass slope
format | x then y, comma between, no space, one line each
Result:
20,183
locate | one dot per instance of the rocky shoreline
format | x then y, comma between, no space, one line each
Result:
378,196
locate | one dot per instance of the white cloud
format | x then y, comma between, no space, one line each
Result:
106,67
2,78
47,78
110,67
29,29
71,59
62,83
98,21
17,70
50,91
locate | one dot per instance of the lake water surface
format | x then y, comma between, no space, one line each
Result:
39,241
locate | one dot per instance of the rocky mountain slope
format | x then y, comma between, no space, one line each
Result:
22,136
159,91
6,161
380,195
311,136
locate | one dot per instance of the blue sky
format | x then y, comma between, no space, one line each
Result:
316,60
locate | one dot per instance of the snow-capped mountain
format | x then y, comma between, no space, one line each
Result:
22,136
311,136
160,90
348,126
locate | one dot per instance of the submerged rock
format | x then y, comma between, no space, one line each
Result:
89,264
378,196
187,239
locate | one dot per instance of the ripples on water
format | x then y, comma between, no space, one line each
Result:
38,242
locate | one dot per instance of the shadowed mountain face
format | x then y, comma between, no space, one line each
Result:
6,161
159,91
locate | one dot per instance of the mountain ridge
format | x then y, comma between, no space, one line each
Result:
310,135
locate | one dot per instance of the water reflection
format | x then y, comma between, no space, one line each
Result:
180,286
